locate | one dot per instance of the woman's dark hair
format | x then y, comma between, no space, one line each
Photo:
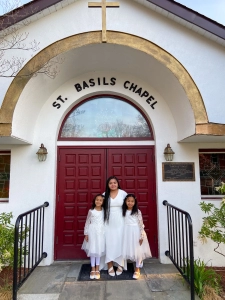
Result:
93,202
106,204
135,207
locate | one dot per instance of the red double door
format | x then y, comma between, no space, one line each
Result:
82,173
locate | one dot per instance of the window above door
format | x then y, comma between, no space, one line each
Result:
105,118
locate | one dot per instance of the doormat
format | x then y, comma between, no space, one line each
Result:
85,270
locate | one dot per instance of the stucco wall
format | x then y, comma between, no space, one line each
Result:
203,58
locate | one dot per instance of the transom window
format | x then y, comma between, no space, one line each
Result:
105,117
212,170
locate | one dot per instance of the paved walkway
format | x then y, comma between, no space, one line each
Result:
59,282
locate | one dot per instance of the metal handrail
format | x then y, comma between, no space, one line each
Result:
28,245
180,237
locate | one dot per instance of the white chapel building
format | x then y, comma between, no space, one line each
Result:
134,76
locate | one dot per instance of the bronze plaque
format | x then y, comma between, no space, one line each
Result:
178,171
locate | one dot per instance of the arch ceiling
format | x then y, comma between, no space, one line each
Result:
122,53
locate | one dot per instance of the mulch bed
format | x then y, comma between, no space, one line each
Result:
6,281
221,272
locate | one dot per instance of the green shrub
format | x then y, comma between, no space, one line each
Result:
7,240
213,226
203,276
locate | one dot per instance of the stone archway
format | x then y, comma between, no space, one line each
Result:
117,38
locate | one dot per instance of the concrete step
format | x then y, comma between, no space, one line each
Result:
59,282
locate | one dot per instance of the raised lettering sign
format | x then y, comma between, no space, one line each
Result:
101,81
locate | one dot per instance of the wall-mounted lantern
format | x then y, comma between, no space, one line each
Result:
42,153
168,153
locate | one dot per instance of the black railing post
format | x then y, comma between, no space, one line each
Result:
180,241
191,258
28,251
15,264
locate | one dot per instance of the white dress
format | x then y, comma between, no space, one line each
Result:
114,231
95,229
133,232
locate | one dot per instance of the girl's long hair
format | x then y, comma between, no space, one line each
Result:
106,203
93,201
135,207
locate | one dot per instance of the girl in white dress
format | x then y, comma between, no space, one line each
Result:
94,231
135,242
114,225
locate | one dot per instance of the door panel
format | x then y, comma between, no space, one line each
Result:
82,174
135,169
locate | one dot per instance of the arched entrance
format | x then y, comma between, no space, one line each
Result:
82,171
201,124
